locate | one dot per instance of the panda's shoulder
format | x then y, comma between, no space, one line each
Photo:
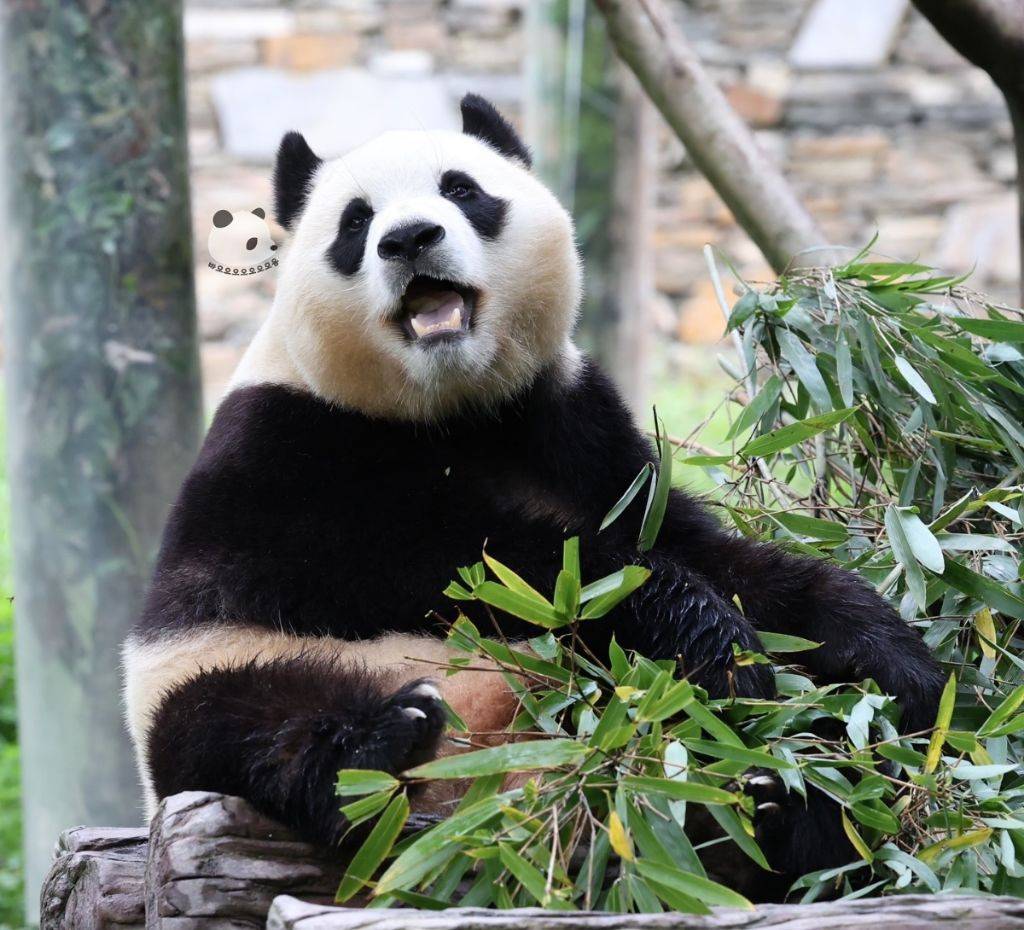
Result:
583,402
269,428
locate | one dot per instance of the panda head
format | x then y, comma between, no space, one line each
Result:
240,239
426,272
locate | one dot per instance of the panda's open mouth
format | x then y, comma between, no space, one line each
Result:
435,310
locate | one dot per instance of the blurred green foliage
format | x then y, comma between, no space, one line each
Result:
10,773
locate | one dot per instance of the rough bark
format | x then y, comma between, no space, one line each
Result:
216,863
96,881
990,35
913,912
721,145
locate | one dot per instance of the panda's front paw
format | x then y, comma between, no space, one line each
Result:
412,721
796,835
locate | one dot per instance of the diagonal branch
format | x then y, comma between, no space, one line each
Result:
719,142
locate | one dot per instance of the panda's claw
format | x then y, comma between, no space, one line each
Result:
411,723
427,689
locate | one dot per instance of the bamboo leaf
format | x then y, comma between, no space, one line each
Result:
658,501
519,605
696,886
784,642
363,781
513,582
375,848
905,556
508,757
1003,712
966,840
793,433
924,545
633,576
757,407
942,721
996,330
678,790
619,838
806,369
627,498
913,377
856,840
997,596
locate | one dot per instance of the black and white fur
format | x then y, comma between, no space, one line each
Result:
295,621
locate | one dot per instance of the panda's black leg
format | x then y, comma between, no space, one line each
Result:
277,733
797,835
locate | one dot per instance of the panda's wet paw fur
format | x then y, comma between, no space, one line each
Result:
796,835
412,721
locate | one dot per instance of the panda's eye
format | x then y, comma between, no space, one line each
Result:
356,216
458,186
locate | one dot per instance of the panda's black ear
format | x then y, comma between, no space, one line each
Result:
293,171
222,218
260,212
481,119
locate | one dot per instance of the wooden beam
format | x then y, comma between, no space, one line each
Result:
912,912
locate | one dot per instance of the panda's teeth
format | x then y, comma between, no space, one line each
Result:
424,327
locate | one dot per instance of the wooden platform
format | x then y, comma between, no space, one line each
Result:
210,862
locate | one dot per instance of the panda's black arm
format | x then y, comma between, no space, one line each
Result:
277,733
861,635
594,450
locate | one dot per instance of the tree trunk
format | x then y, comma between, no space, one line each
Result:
103,401
721,145
990,35
1017,116
636,140
579,114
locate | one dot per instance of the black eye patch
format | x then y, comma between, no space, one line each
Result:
486,214
346,252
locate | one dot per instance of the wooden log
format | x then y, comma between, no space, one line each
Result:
211,863
96,880
912,912
216,863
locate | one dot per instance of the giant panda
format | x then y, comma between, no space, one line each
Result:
414,394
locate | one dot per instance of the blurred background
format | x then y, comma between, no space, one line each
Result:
877,123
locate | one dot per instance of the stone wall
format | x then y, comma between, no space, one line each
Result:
877,123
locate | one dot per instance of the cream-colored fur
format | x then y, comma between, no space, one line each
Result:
479,695
335,334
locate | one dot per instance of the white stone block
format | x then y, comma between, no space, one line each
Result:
335,110
848,34
237,24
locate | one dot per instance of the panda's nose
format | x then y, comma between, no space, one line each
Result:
409,242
